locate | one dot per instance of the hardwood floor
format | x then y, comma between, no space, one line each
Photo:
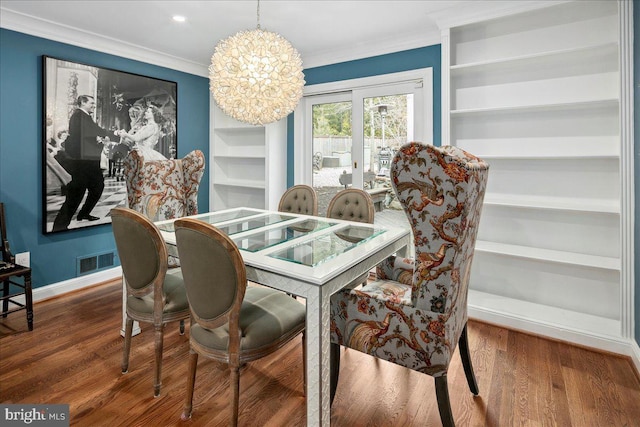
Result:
73,356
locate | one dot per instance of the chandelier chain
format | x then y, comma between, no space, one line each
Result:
258,14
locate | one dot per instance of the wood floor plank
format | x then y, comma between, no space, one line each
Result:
556,391
73,356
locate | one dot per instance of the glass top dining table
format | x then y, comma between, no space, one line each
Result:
311,257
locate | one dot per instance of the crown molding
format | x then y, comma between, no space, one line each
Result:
27,24
61,33
478,11
368,50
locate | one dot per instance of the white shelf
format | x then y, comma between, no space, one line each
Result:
549,156
230,195
240,128
541,254
247,163
561,56
244,155
241,131
553,203
240,142
565,26
575,106
488,307
536,95
240,183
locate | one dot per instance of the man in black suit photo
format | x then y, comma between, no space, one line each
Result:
84,150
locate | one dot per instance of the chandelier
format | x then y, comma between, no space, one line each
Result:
256,76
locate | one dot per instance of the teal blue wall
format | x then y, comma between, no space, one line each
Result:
53,256
636,151
413,59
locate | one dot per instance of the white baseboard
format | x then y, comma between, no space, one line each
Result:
60,288
77,283
613,344
635,356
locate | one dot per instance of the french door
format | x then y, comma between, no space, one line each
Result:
351,135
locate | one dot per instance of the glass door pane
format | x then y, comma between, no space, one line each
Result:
390,117
388,124
332,143
352,129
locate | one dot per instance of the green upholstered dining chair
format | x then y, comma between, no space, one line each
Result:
416,311
352,204
299,199
153,295
231,323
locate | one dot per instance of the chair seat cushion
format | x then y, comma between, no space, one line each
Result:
379,319
266,316
396,269
176,297
387,290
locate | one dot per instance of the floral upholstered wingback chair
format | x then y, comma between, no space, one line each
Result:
416,311
164,189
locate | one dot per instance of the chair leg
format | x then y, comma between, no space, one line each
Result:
182,327
157,382
28,296
235,393
5,294
128,331
334,357
191,382
444,406
463,344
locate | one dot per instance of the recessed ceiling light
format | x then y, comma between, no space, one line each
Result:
179,18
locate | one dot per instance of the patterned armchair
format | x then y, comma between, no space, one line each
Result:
416,311
164,189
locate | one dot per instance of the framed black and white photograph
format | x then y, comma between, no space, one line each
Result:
93,117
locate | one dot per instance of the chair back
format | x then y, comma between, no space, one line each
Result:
352,204
441,190
142,251
299,199
164,189
214,274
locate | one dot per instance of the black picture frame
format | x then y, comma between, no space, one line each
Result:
70,156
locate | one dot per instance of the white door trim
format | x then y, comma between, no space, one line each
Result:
302,145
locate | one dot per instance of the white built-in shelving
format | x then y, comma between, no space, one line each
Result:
537,95
249,163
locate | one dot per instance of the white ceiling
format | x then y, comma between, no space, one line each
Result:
323,31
